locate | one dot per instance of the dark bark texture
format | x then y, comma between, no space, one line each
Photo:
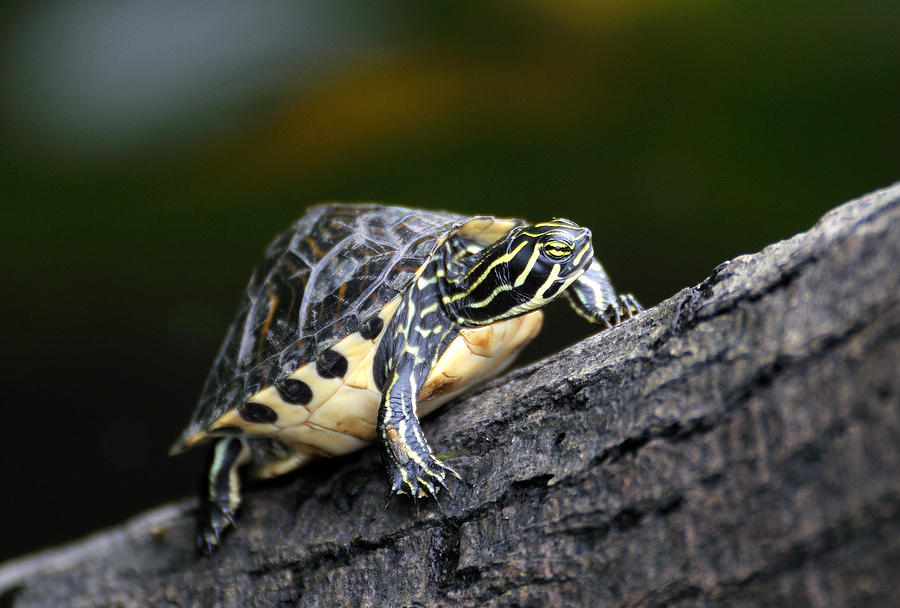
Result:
738,444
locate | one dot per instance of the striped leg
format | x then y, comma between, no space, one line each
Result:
411,466
592,296
222,497
418,334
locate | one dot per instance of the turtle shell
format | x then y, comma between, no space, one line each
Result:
321,280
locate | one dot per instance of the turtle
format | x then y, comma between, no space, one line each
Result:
364,317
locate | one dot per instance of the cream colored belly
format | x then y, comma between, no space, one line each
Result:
343,417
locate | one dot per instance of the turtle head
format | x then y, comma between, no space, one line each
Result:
523,271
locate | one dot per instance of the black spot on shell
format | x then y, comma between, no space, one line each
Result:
371,328
331,364
257,412
294,391
379,367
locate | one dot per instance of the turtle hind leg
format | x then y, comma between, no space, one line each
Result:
221,496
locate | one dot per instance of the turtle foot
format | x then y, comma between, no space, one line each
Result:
211,526
624,307
420,478
411,467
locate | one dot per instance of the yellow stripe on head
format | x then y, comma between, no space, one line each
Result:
524,271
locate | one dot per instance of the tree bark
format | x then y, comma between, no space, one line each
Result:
738,444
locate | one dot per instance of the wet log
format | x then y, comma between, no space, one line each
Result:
738,444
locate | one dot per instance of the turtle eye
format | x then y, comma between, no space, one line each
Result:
557,249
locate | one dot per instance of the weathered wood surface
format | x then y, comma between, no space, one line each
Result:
738,444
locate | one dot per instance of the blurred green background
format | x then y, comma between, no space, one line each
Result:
151,149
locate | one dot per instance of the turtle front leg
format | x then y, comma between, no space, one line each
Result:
592,296
222,497
411,466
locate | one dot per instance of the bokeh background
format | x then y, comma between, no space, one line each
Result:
151,149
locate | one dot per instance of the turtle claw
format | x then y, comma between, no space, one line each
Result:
207,545
624,307
420,479
210,531
210,528
630,305
443,484
208,540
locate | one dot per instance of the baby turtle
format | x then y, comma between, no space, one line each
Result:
361,319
